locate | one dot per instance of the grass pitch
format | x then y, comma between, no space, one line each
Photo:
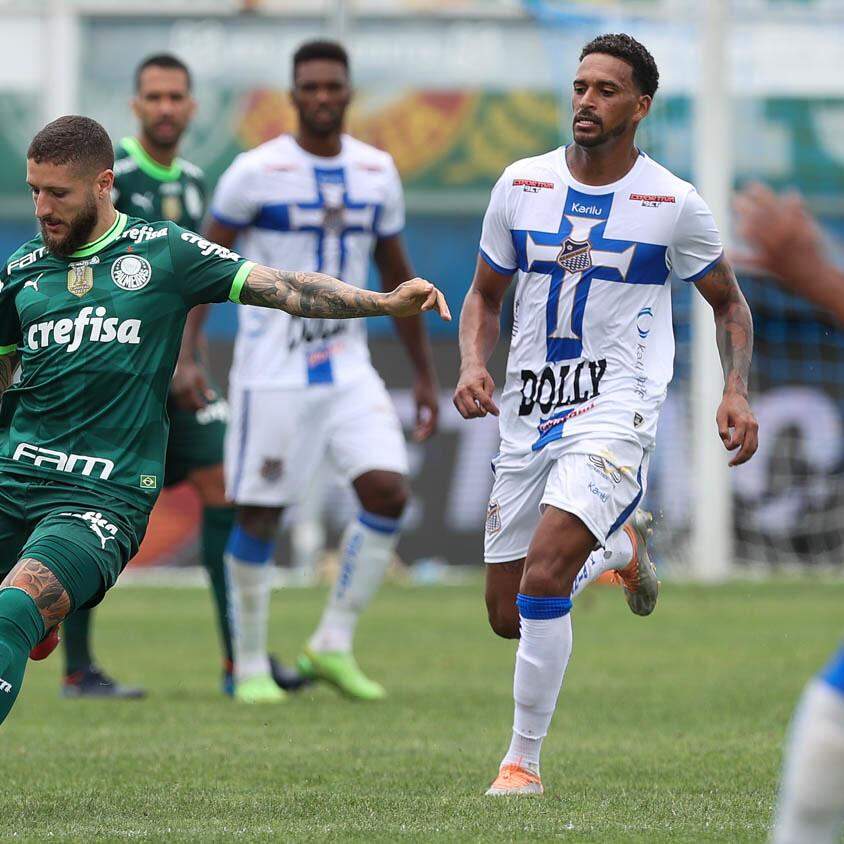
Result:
668,729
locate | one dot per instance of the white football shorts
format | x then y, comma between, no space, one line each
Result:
277,438
601,481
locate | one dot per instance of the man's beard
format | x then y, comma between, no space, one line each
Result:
598,140
169,141
78,234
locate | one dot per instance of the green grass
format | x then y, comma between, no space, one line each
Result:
668,728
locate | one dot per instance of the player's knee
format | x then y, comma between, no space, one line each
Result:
209,483
503,619
259,522
548,574
385,495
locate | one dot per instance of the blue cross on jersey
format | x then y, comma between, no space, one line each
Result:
577,254
331,217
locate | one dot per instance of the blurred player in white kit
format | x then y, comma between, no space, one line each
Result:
593,232
304,388
785,242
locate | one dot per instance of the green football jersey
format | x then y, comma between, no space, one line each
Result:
146,189
98,334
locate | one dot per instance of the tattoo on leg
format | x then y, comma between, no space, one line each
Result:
43,587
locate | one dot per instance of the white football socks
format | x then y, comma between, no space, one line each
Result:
249,569
367,547
541,659
811,808
616,554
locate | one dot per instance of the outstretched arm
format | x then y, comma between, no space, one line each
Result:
784,241
734,335
317,295
479,329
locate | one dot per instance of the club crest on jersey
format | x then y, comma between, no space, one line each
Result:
575,256
80,276
131,272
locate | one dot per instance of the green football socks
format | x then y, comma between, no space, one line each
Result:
216,525
21,628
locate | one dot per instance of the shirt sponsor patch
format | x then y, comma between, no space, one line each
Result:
532,186
651,200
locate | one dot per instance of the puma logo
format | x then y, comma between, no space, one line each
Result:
33,283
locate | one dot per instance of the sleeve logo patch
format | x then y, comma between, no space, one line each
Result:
149,482
131,272
531,186
651,200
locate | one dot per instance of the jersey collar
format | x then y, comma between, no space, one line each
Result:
149,165
103,240
597,190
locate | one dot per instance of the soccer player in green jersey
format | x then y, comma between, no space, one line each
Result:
93,311
151,182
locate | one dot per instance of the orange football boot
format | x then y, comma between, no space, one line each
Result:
638,578
515,780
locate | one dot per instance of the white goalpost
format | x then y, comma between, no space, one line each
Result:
711,551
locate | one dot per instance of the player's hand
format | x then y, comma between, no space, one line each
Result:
426,395
189,387
473,395
737,427
782,238
415,297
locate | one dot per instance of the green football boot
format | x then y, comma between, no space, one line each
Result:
260,689
342,671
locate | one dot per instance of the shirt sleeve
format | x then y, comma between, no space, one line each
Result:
10,326
496,237
391,219
234,203
206,271
696,245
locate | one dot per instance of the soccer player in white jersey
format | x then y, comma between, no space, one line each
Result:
301,388
593,233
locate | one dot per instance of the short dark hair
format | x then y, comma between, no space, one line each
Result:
165,60
327,50
73,139
628,49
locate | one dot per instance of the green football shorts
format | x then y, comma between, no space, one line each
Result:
85,538
196,438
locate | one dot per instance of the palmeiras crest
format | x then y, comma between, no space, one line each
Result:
575,256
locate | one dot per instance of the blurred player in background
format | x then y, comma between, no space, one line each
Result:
151,182
785,242
300,388
592,231
93,310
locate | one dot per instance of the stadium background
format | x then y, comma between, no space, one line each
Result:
456,90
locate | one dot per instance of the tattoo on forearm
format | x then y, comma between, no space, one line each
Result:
309,294
733,326
43,587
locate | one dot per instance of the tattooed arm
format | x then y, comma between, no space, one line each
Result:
734,335
317,295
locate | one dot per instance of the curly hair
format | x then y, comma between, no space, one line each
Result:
628,49
73,139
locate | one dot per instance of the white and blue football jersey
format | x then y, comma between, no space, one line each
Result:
298,211
592,350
